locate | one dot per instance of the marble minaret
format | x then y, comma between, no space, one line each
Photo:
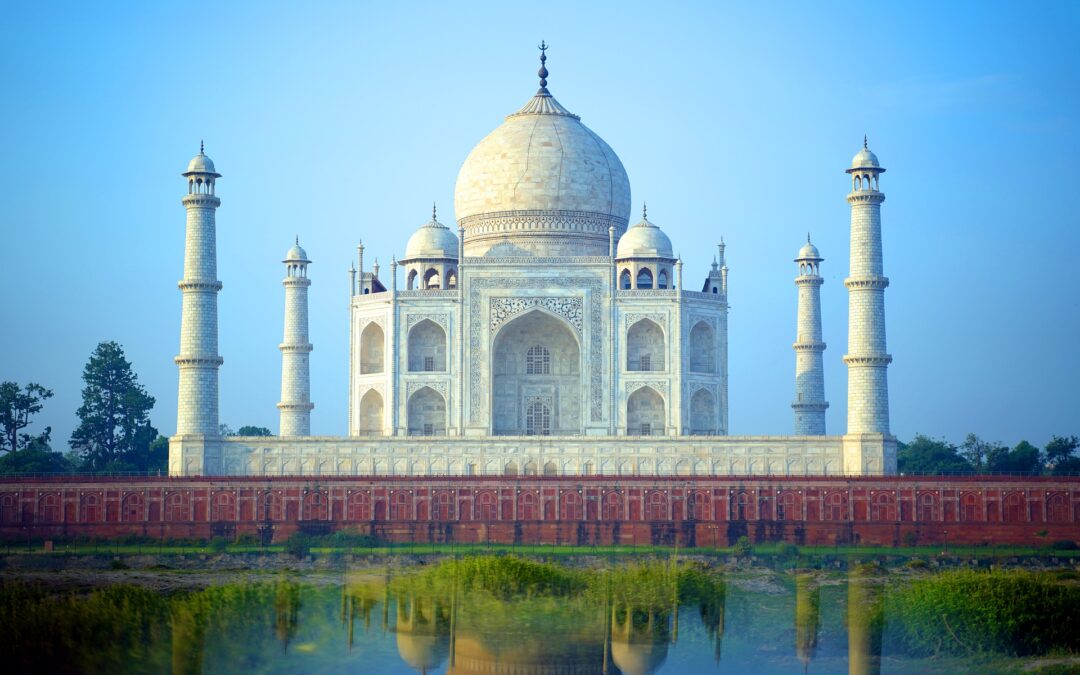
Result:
296,402
809,404
197,404
867,359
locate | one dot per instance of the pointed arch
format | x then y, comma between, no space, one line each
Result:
644,278
427,347
645,413
645,346
410,280
702,348
427,413
703,413
371,414
372,349
624,280
432,281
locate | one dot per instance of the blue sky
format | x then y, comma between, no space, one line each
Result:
342,121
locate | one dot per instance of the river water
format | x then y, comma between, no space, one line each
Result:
506,615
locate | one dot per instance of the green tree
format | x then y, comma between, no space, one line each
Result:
114,431
1059,455
17,408
1025,458
925,455
253,431
977,451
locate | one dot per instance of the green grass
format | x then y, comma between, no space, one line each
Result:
769,550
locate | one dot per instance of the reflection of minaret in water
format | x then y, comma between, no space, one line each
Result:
864,624
807,617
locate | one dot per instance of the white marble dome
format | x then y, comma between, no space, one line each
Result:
296,254
432,240
644,240
200,163
864,159
543,182
808,252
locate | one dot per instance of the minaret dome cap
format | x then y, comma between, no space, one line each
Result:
864,159
296,254
201,163
808,252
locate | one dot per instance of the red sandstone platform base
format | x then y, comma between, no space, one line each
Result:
688,511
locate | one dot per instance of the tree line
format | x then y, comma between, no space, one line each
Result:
925,455
114,434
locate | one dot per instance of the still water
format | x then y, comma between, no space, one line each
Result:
507,615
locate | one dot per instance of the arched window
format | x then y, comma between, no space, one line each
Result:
538,361
410,281
371,349
371,413
662,280
624,280
703,413
645,346
645,413
702,348
538,419
427,347
431,279
644,278
451,279
427,413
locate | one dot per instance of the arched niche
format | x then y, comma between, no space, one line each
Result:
645,346
432,280
372,349
703,413
702,348
427,413
645,414
624,280
410,280
370,419
427,347
550,376
644,278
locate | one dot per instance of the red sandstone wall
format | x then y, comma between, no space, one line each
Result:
690,511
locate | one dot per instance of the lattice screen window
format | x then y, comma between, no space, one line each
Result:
429,363
538,361
646,429
646,362
429,429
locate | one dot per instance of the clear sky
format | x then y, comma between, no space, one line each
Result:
345,121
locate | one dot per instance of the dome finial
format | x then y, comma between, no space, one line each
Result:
644,211
201,151
864,142
433,218
297,240
543,72
807,237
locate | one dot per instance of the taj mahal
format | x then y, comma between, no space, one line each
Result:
543,334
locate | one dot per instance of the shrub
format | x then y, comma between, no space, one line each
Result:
219,544
298,545
247,539
963,612
1064,545
910,539
743,547
788,551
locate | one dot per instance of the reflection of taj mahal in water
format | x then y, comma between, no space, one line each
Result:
547,335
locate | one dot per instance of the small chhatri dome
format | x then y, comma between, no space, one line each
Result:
864,159
296,254
808,251
200,163
432,240
644,240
